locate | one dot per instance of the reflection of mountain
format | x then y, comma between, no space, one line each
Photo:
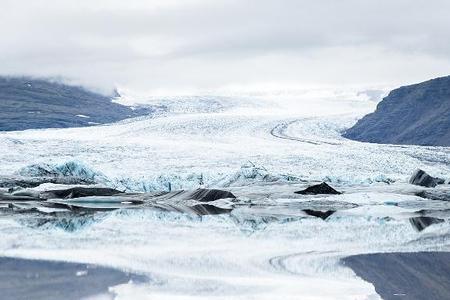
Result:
32,103
418,114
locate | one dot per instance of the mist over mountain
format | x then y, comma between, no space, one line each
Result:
417,114
27,103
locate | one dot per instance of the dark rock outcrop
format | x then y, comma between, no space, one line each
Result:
420,223
319,214
78,192
435,194
420,177
92,199
318,189
27,103
418,114
208,195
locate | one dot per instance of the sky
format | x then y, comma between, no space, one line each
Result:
167,46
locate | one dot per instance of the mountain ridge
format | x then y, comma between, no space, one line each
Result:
31,103
417,114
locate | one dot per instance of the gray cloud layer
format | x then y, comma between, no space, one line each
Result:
204,44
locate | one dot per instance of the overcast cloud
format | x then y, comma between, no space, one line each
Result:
168,45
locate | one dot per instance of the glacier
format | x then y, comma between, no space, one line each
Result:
260,147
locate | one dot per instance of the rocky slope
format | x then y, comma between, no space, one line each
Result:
418,114
27,103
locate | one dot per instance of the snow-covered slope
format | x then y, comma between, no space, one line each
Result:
302,141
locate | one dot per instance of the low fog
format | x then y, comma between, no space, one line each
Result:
201,45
